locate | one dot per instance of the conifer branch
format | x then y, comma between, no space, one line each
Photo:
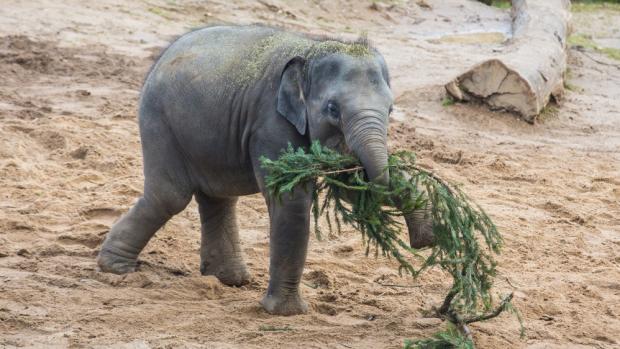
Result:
373,209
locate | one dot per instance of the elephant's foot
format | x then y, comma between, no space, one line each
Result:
112,263
284,305
230,271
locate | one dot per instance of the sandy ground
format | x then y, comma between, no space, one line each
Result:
70,164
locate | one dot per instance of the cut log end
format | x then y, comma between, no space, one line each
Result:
498,86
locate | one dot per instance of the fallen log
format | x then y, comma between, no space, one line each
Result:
530,69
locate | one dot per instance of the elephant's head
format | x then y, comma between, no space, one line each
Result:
342,99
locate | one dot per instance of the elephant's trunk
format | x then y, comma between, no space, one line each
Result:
366,136
420,226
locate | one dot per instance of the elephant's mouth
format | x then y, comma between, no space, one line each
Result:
342,147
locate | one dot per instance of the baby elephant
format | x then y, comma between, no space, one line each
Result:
217,100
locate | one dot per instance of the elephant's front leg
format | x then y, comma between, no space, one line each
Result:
290,226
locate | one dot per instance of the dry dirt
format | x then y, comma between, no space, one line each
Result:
70,164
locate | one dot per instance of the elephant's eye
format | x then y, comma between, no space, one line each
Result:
332,109
391,110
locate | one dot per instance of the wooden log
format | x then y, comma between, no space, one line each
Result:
530,69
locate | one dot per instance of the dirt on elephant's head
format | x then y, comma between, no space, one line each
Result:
281,46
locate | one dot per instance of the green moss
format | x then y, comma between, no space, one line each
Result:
611,52
583,40
577,6
595,5
497,3
357,50
260,55
587,42
447,101
283,45
270,51
501,3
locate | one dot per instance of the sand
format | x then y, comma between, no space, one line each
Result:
70,164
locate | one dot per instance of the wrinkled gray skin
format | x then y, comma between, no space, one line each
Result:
210,108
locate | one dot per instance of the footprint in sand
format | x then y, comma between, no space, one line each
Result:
102,215
90,240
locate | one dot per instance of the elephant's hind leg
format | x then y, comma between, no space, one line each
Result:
167,191
220,252
127,238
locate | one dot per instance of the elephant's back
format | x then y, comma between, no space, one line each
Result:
228,57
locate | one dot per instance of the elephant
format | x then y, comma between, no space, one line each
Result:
214,102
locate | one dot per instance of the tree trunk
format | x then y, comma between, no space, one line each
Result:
531,68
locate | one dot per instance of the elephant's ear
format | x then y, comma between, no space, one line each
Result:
291,99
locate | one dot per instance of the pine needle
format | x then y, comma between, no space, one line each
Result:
450,338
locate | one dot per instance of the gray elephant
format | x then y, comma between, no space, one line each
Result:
217,100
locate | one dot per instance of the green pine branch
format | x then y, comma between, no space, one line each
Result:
465,237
